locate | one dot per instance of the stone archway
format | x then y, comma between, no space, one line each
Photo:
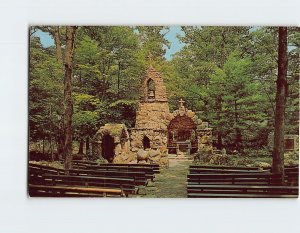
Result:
110,141
187,131
108,148
182,135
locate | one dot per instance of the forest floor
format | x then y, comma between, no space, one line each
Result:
170,182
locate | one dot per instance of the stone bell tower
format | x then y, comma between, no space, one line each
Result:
151,127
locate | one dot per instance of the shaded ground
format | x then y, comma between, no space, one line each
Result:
170,183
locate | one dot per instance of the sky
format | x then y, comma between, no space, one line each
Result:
171,36
176,45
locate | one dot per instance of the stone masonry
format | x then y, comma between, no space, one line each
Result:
156,129
152,115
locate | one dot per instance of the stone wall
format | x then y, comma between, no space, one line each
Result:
152,115
205,140
203,132
158,139
121,143
153,124
160,88
287,137
152,118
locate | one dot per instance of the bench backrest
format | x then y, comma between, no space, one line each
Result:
63,191
124,164
148,171
139,177
225,167
126,184
210,171
240,178
242,189
155,169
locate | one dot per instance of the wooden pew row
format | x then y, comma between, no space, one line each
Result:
236,178
239,168
139,177
125,184
45,169
291,172
240,195
239,182
215,170
241,191
154,166
150,174
39,171
63,191
288,169
227,167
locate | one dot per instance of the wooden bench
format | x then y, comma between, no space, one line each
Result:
149,173
45,169
155,167
241,191
226,167
125,184
291,172
238,182
214,171
63,191
124,164
236,178
139,177
219,195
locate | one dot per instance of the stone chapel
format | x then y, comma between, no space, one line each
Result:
179,133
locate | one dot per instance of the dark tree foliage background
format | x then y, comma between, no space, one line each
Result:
227,75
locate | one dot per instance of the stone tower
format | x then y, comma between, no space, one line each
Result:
151,127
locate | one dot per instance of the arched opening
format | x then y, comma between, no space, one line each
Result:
151,89
146,142
182,135
108,148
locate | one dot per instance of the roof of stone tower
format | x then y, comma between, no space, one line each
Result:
160,88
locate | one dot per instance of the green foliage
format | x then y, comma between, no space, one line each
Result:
86,115
123,111
45,92
231,72
225,74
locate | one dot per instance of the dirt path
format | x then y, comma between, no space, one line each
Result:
170,183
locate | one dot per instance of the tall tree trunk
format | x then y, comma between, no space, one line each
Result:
60,146
219,109
238,134
119,73
81,143
223,50
51,127
87,146
51,149
43,146
68,102
281,93
57,41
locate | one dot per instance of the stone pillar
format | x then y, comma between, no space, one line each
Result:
205,140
